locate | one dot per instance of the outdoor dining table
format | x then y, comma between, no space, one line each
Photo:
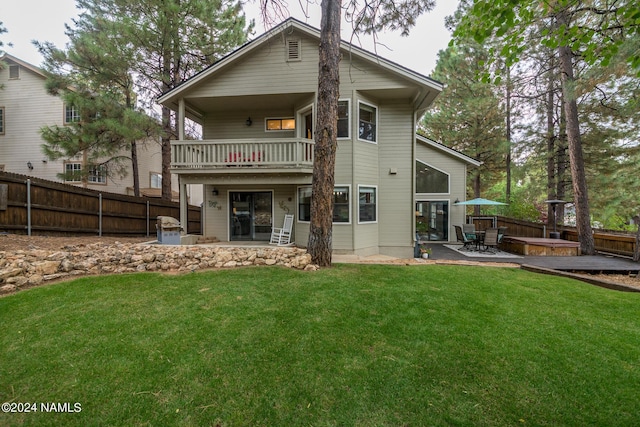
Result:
479,240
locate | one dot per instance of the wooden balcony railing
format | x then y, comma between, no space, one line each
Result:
267,153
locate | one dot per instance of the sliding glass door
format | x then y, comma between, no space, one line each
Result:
250,215
432,220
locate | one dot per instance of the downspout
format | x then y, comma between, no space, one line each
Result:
354,200
413,180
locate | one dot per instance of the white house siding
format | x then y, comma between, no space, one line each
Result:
28,107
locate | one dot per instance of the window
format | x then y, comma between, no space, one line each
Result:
73,172
1,120
71,114
281,124
340,204
367,122
14,72
293,50
156,180
430,180
98,174
343,119
304,204
367,204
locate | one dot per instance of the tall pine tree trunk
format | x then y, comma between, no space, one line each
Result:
551,158
576,160
320,232
135,169
509,142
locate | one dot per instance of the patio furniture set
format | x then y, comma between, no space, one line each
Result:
479,240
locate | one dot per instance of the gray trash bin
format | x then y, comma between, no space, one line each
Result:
168,229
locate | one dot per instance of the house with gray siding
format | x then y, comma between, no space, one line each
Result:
256,108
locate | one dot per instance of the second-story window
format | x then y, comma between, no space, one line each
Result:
343,119
98,174
71,114
367,122
280,124
73,172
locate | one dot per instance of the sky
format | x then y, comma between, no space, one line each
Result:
44,20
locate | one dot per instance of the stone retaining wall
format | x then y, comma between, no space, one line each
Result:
35,267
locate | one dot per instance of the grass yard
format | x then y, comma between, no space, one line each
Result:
355,345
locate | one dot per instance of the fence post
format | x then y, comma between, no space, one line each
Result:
28,207
100,215
148,218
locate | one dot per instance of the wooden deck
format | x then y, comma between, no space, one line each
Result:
537,246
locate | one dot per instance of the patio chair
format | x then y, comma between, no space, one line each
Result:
491,240
282,236
466,243
501,232
469,230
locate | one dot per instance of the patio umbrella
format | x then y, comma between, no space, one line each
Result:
480,201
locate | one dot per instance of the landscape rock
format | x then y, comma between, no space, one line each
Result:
38,266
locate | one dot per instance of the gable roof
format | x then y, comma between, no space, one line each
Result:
450,151
10,58
432,87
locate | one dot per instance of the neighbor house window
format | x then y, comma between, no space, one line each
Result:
367,122
71,114
343,119
1,120
340,204
430,180
98,174
367,204
156,180
73,172
14,72
281,124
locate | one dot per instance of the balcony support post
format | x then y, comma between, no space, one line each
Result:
181,113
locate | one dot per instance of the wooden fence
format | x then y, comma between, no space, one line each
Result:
36,206
612,242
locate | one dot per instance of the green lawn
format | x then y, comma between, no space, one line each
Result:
355,345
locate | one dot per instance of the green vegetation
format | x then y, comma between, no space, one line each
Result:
358,345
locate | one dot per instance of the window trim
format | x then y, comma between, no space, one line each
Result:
102,174
151,175
377,110
267,119
439,170
375,188
75,114
348,204
65,170
348,101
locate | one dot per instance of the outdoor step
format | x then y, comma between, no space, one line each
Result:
206,240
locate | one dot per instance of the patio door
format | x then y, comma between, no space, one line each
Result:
250,215
432,220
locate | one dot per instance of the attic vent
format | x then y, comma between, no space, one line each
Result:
293,50
14,71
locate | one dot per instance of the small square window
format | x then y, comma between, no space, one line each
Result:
98,174
156,180
71,114
73,172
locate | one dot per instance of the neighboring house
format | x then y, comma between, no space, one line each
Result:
255,162
26,107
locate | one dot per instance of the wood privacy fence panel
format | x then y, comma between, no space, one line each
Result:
616,243
62,208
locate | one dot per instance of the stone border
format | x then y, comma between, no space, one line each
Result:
23,269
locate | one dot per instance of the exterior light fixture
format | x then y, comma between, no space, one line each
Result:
215,191
248,121
30,166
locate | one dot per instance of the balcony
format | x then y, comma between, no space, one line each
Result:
239,155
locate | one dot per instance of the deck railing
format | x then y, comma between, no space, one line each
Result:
274,153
